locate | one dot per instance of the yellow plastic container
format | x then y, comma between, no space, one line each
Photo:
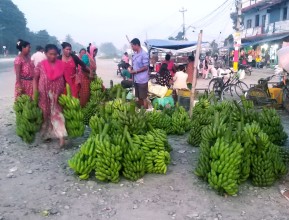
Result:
276,93
169,92
184,93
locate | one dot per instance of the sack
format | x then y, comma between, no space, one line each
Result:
283,55
157,90
241,74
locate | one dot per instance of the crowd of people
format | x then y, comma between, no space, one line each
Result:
47,74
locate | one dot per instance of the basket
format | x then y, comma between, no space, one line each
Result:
184,93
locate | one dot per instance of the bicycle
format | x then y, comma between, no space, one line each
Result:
231,89
260,93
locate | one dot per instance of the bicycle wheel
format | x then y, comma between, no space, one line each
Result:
248,72
211,84
229,93
241,88
285,99
257,95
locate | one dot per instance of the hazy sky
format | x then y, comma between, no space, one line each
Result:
111,20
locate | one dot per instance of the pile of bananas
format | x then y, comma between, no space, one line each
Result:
134,166
72,114
136,122
180,121
28,117
226,159
156,148
97,95
116,91
160,120
157,161
266,160
82,164
108,160
271,124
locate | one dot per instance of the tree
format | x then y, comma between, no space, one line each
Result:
180,36
234,17
12,25
75,46
214,47
229,41
108,49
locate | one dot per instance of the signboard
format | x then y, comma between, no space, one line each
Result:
237,39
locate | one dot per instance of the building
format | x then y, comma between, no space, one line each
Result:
265,26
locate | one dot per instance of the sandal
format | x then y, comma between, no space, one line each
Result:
284,192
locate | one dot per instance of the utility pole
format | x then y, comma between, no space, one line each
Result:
237,38
183,11
194,82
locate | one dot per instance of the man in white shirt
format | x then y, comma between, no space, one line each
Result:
250,59
38,56
180,79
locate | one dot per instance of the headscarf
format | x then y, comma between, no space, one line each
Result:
91,50
55,71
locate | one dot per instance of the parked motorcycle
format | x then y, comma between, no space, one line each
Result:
246,68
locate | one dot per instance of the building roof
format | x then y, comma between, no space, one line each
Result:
263,39
261,5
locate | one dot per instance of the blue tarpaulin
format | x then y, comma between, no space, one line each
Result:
169,44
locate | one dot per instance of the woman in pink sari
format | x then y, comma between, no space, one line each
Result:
24,69
49,82
71,63
89,59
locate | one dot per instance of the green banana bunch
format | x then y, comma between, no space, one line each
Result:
202,105
157,161
74,119
271,124
116,91
203,165
195,136
180,121
226,159
28,117
96,85
108,161
133,163
160,120
82,165
135,122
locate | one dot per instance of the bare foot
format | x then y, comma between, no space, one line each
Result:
61,142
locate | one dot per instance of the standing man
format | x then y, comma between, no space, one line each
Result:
140,64
38,56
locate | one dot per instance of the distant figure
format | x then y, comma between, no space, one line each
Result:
181,79
125,58
171,64
250,59
190,71
258,62
267,59
38,56
24,69
164,77
206,67
49,82
71,63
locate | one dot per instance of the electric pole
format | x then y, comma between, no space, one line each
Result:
183,11
237,40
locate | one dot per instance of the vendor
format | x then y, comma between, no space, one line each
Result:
164,77
180,79
127,81
170,63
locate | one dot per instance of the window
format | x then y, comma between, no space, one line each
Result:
285,13
257,20
249,23
263,20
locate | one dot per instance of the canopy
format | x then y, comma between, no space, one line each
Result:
265,39
169,44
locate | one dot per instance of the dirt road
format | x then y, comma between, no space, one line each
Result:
35,181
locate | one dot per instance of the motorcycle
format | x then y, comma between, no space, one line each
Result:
247,68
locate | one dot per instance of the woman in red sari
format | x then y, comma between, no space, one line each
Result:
24,69
49,82
89,59
71,62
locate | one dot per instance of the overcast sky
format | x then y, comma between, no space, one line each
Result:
111,20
